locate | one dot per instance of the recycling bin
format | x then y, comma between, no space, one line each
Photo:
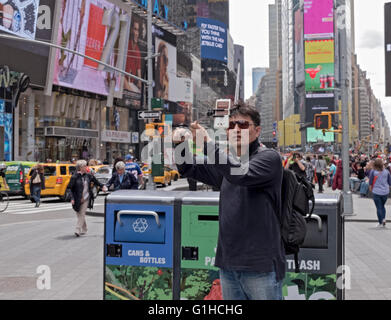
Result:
140,245
200,225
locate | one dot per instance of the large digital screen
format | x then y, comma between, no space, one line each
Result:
165,64
319,65
314,135
213,39
19,17
316,106
13,53
318,19
81,29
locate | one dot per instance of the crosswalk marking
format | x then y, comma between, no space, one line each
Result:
23,207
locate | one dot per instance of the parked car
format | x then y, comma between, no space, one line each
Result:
103,174
15,175
57,178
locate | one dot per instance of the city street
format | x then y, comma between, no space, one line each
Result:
31,237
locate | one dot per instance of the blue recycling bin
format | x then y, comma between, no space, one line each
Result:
139,245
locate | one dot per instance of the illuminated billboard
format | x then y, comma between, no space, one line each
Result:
81,29
314,135
318,19
299,48
319,65
319,51
19,17
213,39
317,106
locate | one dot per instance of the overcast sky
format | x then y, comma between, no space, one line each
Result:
249,22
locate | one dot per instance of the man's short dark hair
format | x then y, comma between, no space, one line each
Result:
244,109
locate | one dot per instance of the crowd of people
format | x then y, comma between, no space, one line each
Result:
369,176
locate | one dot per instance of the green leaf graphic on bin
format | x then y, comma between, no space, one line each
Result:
141,283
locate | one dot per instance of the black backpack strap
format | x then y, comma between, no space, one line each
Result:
296,256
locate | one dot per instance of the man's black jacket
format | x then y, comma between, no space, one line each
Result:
129,181
249,209
76,186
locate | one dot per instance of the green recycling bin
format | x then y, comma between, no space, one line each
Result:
200,225
319,258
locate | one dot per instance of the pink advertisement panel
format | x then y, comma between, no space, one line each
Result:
318,19
82,30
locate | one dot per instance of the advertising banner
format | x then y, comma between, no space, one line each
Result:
14,52
314,135
165,69
318,105
318,19
213,39
319,51
7,123
19,17
81,29
319,77
183,90
299,49
136,63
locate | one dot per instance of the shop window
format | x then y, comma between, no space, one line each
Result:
49,171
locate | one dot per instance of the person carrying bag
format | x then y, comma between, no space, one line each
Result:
379,185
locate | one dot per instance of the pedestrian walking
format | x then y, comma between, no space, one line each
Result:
320,168
309,170
250,252
37,183
121,179
379,185
81,192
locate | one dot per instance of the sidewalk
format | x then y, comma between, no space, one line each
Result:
367,253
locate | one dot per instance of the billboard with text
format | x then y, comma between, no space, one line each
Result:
316,106
318,19
213,39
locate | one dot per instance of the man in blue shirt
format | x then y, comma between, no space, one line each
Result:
133,168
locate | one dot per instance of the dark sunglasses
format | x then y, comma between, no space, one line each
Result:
242,124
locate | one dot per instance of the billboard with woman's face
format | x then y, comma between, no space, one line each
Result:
82,30
165,68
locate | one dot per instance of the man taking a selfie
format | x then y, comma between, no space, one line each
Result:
250,252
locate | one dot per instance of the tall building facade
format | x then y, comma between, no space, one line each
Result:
257,75
239,69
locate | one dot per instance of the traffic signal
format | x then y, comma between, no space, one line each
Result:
322,121
274,134
372,127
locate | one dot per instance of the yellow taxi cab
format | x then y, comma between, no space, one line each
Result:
174,174
163,180
57,178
